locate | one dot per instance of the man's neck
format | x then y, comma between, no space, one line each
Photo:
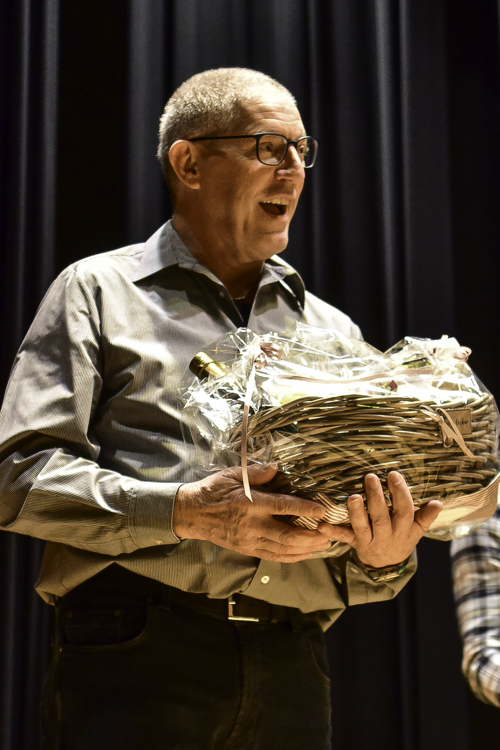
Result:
241,281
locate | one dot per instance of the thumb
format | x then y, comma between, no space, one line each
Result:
261,473
428,514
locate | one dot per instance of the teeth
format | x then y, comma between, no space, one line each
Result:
278,201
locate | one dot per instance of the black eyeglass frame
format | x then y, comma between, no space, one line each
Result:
257,137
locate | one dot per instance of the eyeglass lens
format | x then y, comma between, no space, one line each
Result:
273,147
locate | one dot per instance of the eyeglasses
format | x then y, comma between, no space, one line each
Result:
272,148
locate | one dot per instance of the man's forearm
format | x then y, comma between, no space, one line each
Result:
58,496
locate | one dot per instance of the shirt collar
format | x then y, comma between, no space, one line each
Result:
165,248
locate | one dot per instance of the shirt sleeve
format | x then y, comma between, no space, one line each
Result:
476,577
51,485
356,585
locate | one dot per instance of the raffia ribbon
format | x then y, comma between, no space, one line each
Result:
448,427
244,432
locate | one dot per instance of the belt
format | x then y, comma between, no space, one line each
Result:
115,583
236,607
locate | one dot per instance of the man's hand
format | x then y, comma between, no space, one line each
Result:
216,509
379,536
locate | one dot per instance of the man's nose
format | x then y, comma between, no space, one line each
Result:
292,160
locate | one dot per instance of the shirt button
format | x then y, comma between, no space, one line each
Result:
265,579
158,541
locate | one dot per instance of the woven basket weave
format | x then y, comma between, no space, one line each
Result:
417,408
325,447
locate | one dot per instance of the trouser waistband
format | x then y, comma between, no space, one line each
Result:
116,581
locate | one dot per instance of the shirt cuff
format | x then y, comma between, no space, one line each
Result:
151,512
359,588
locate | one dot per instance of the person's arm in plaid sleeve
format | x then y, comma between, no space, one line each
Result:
476,573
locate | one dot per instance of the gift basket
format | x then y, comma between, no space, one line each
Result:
328,409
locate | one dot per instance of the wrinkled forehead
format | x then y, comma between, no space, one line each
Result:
271,111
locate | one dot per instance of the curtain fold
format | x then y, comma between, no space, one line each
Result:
28,157
427,223
398,226
388,125
145,102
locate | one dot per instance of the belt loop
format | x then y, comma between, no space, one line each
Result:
165,598
296,620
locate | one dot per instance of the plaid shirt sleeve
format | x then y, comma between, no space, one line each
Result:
476,575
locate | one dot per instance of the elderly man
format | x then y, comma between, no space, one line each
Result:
187,617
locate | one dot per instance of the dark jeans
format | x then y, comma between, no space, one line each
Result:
137,674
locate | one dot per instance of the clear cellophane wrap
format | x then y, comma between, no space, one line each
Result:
328,409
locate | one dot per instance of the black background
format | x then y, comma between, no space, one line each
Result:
398,226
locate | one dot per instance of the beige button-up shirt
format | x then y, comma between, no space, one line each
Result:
91,447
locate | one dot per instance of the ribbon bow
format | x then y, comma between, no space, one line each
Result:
448,428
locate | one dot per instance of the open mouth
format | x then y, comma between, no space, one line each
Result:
275,208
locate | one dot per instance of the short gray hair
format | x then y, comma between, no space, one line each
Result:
210,103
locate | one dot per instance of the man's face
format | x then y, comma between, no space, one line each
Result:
248,205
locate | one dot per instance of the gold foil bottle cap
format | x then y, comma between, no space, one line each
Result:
202,365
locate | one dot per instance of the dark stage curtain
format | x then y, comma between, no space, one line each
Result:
398,226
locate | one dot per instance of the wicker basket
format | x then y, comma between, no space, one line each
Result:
325,447
329,409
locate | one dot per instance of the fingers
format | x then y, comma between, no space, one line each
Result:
402,503
260,474
337,533
381,536
279,542
426,515
289,538
257,473
279,557
378,512
283,554
215,509
289,541
359,519
275,504
287,505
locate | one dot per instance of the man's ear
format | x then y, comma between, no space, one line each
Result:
184,162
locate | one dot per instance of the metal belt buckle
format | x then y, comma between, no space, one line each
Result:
232,616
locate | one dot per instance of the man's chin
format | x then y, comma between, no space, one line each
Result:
276,243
